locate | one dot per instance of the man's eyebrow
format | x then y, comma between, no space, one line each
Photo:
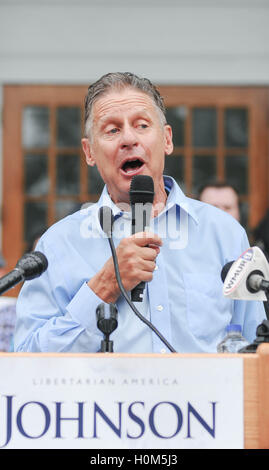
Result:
142,112
106,119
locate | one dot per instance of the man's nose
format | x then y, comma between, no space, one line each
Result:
129,138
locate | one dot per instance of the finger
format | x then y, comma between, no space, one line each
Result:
148,266
147,276
149,253
146,238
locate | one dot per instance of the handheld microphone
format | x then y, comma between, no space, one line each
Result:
29,266
106,219
245,278
141,199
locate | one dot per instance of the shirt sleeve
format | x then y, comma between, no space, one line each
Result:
248,313
50,319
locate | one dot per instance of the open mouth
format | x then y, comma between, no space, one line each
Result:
132,166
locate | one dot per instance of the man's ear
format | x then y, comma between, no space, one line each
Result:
168,136
87,151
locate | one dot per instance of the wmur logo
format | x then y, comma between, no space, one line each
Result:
237,271
91,421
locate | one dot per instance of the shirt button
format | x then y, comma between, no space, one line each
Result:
160,308
163,351
156,267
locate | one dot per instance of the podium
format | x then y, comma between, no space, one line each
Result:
256,398
134,400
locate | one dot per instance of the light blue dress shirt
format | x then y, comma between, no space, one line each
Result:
57,311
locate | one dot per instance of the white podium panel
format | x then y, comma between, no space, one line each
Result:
121,402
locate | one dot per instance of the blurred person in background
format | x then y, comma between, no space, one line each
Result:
222,195
261,235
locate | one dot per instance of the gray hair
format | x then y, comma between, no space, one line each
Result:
120,80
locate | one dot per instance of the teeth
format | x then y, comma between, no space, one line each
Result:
131,166
132,170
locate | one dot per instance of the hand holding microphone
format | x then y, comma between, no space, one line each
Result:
136,255
136,258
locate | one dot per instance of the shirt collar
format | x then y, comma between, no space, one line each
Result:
175,197
105,200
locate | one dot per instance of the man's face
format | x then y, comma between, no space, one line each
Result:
223,198
127,139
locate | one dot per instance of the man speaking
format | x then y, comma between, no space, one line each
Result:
180,256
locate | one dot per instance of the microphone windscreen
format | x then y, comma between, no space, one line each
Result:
225,270
106,219
32,264
141,189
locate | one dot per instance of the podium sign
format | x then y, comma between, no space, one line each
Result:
114,401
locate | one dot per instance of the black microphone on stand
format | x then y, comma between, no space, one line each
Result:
106,219
29,266
141,199
107,322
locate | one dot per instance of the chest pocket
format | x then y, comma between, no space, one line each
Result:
208,311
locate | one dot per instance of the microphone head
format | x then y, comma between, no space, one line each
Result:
141,189
106,219
239,278
225,270
32,264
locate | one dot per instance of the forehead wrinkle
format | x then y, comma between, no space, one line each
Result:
113,106
116,116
